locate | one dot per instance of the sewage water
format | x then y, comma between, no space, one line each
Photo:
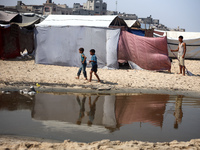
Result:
84,118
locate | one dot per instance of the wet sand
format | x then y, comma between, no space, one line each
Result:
17,74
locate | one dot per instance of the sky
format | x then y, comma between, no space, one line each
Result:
172,13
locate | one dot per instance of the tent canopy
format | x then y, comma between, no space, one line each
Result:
7,17
133,23
26,19
82,20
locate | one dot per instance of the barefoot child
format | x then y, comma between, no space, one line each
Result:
181,54
84,64
94,65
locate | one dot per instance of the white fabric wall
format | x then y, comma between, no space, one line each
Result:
192,40
59,45
192,47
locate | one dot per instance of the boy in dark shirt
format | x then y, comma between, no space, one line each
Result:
94,65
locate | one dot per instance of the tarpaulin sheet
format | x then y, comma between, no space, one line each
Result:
137,32
7,17
83,20
9,42
59,45
148,53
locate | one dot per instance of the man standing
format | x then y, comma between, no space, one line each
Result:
181,54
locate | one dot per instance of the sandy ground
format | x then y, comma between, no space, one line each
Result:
23,143
16,74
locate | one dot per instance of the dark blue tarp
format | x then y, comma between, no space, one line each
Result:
137,32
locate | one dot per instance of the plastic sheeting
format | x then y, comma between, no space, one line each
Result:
133,23
134,66
59,45
7,17
192,40
82,20
147,53
137,32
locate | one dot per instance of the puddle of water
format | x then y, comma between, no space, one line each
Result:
83,118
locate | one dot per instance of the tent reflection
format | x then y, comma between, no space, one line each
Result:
141,108
108,111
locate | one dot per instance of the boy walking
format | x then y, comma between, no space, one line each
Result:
84,64
94,65
181,54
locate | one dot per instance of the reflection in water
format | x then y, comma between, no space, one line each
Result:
112,112
92,110
16,101
92,107
82,108
178,113
141,108
124,117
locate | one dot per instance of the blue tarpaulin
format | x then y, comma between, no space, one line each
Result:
137,32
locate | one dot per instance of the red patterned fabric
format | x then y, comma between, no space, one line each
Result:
148,53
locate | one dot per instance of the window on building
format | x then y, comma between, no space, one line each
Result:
47,9
97,6
54,9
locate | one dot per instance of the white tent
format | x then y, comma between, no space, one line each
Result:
192,40
58,41
133,23
83,20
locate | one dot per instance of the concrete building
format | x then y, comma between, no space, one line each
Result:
98,6
77,6
128,16
38,9
52,8
111,12
78,10
147,20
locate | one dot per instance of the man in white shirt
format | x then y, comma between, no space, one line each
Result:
181,54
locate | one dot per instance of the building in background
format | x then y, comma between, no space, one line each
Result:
52,8
128,16
78,10
98,6
91,7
